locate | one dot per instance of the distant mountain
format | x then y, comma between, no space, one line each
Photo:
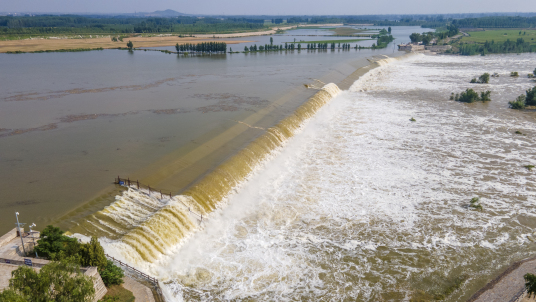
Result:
164,13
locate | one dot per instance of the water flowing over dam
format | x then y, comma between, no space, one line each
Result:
367,200
150,225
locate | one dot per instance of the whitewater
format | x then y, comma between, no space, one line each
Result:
364,204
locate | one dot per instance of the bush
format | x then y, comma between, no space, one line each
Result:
484,78
530,284
112,274
475,203
530,99
471,96
473,81
514,74
484,96
518,104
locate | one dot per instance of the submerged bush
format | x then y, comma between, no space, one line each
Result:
471,96
530,98
475,203
483,79
518,104
514,74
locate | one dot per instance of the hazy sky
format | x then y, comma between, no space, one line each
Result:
273,7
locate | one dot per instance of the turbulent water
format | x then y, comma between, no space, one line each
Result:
362,204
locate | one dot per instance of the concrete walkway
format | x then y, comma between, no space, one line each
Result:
140,291
507,285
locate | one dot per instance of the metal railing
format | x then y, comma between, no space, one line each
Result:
152,280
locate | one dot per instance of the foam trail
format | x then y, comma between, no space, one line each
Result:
365,205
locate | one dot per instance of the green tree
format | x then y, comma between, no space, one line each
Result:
484,79
530,99
56,281
112,274
92,254
53,242
415,37
518,104
530,284
534,72
271,41
389,30
130,45
468,96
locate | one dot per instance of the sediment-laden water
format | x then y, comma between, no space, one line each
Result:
364,204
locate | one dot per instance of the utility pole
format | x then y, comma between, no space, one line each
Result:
20,234
33,236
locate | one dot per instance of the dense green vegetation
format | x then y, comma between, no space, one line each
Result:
428,37
496,22
210,47
483,79
56,281
522,101
471,96
520,45
70,24
53,245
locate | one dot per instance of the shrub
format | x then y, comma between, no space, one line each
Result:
484,78
467,96
484,96
530,284
518,104
530,99
112,274
475,203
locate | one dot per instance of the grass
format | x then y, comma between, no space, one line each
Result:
329,41
117,293
500,35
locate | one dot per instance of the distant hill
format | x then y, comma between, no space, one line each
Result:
164,13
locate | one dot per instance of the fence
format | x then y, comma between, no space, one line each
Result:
136,184
142,275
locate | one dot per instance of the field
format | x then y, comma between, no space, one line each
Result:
500,35
56,44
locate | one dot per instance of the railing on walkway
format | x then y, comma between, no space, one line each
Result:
136,184
141,275
151,279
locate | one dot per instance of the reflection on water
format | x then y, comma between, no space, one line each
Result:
71,122
367,205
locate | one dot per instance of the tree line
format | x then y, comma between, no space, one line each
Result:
507,46
78,24
211,47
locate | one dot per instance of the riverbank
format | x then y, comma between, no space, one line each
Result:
49,44
100,43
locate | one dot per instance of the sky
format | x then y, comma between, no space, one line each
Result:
272,7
